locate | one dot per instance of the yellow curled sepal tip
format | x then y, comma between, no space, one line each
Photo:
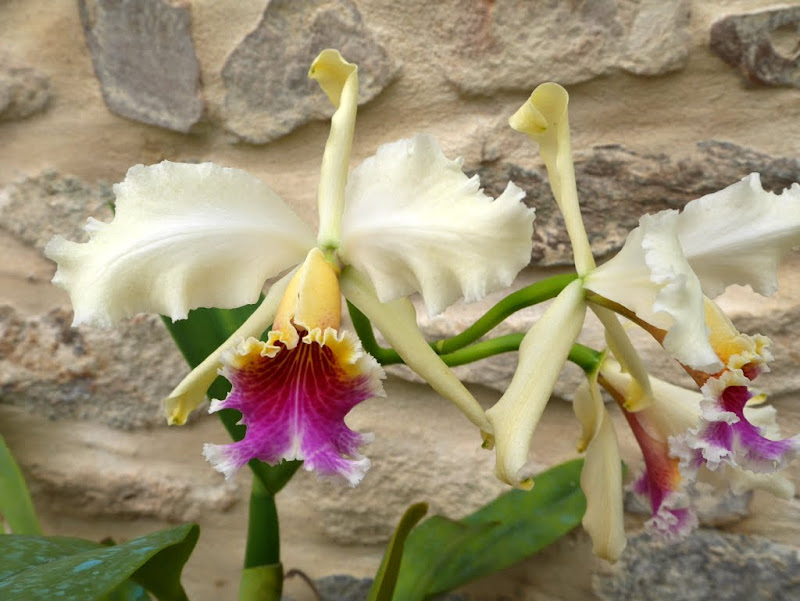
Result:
331,71
542,112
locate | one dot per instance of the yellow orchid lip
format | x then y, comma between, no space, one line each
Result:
313,299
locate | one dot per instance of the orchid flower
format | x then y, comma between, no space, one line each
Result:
198,235
670,465
661,280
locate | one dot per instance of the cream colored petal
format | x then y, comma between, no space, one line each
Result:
397,321
640,393
674,409
183,236
601,477
651,277
339,80
541,356
191,392
415,223
739,235
544,117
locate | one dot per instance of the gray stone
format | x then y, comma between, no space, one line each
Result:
617,185
117,377
36,208
268,93
24,91
764,45
144,57
712,506
707,565
516,44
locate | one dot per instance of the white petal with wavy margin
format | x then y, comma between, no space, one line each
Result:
183,236
651,277
739,235
414,222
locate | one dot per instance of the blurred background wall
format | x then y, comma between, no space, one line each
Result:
670,100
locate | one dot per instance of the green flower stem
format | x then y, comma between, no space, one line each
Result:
263,537
584,357
526,297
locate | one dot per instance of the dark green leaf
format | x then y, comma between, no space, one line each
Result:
16,508
197,337
42,568
442,554
386,579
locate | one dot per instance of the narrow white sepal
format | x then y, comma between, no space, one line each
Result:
623,350
339,80
183,236
739,235
397,322
191,392
542,354
414,222
544,118
601,476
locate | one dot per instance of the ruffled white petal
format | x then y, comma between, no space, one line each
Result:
739,235
414,222
601,476
542,354
651,277
183,236
397,321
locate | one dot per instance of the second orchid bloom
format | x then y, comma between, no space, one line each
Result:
662,280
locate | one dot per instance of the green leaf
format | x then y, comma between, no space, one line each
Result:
386,579
442,554
42,568
16,507
197,337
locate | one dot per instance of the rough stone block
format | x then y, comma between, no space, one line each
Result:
144,57
516,44
708,565
24,91
268,93
763,45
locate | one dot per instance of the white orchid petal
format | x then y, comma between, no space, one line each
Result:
191,392
397,322
601,476
339,80
739,235
414,222
542,354
183,236
651,277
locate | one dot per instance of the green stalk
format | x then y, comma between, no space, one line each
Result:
526,297
584,357
262,576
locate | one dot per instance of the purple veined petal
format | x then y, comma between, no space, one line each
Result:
294,400
725,435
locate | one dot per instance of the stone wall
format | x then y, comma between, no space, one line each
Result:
670,99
